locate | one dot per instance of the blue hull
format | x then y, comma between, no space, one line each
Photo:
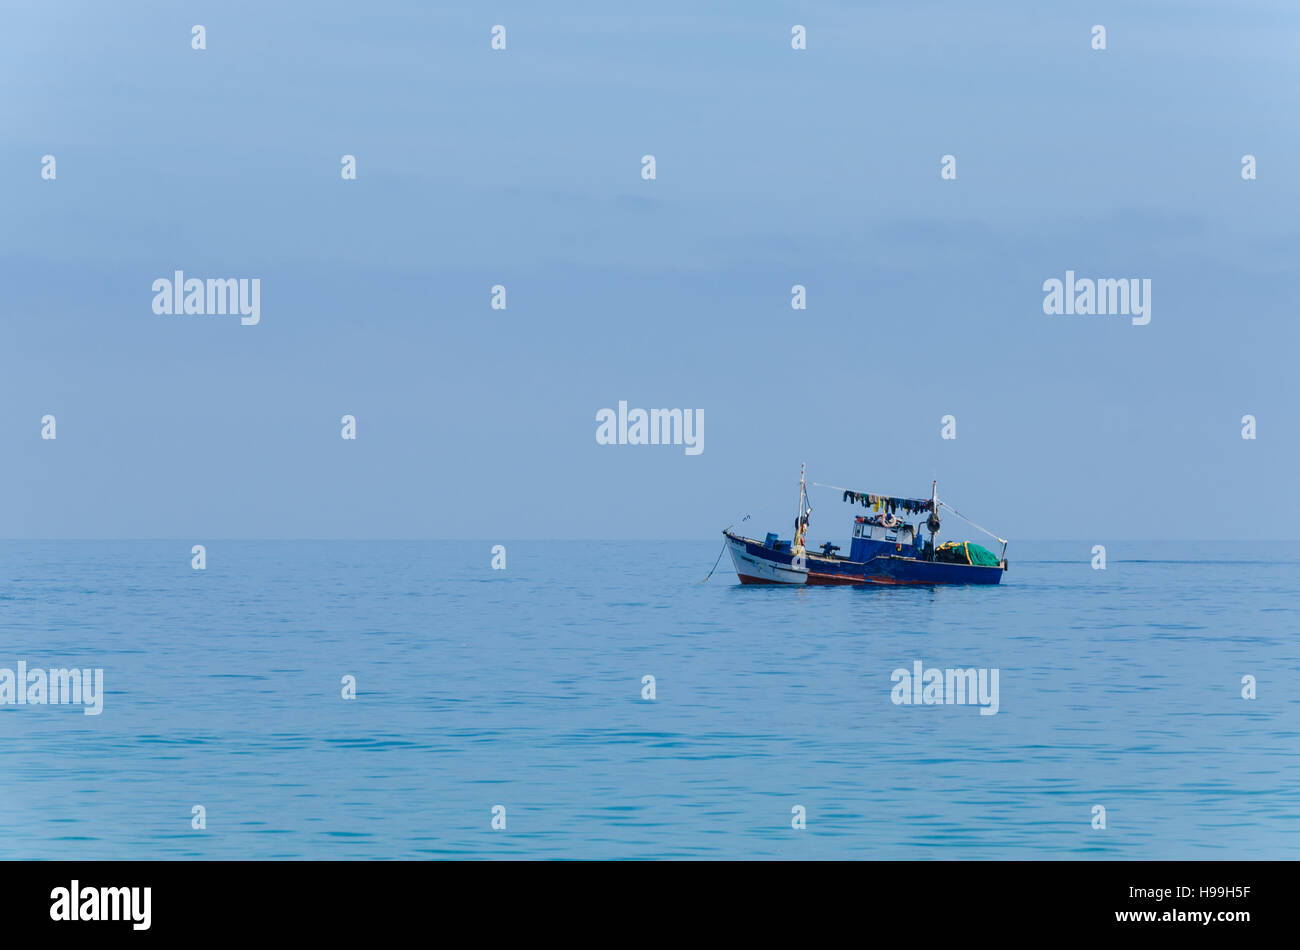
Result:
757,563
904,570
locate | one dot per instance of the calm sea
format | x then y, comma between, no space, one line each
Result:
523,688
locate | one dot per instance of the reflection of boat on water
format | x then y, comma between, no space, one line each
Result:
884,549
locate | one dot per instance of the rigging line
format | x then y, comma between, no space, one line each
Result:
722,552
715,563
877,494
835,487
973,524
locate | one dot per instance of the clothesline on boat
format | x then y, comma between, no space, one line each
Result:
918,504
891,503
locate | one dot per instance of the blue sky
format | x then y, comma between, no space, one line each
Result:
522,167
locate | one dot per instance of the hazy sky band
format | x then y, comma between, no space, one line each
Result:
521,167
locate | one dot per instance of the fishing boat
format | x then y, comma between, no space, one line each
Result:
885,547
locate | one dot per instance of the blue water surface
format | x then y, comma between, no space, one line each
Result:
523,688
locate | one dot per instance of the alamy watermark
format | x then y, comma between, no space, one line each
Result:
935,687
53,687
1105,296
216,296
81,902
651,427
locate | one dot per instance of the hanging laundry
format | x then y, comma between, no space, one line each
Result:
889,503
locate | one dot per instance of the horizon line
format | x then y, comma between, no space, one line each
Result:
499,540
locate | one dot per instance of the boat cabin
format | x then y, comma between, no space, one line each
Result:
871,538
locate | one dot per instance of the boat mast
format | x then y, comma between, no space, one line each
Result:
799,507
933,521
799,525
